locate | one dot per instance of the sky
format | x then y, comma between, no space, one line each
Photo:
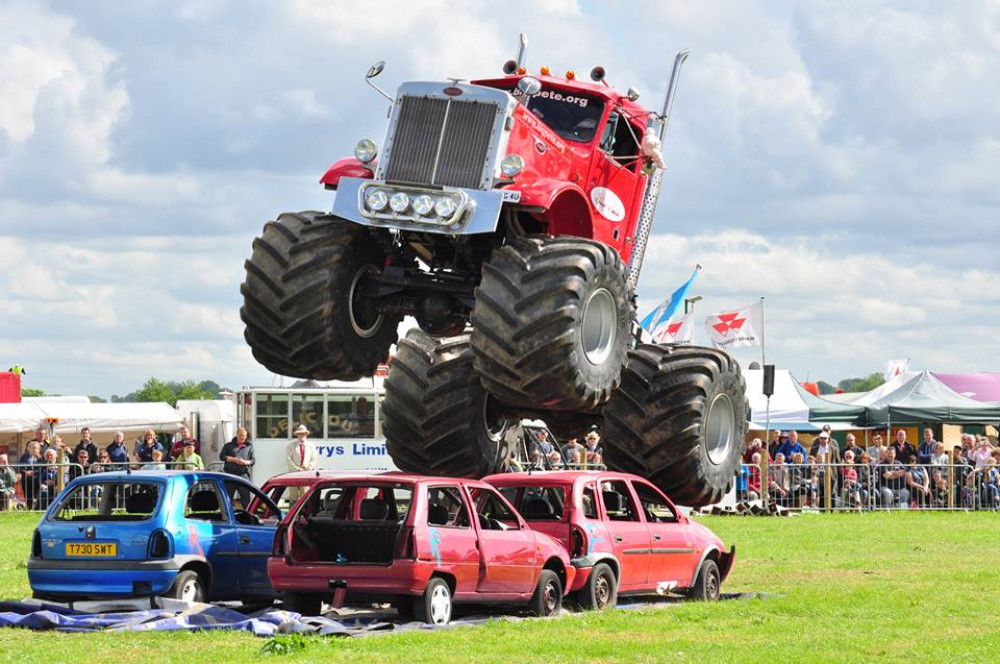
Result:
839,158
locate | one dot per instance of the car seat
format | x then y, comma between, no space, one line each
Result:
374,509
437,515
537,509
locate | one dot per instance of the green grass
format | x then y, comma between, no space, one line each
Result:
893,587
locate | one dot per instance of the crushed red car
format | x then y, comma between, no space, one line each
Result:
420,543
623,534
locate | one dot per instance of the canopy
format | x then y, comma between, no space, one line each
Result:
920,398
73,416
792,407
825,411
979,386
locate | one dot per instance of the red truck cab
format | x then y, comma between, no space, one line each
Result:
623,534
421,543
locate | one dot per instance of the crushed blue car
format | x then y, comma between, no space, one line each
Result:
178,534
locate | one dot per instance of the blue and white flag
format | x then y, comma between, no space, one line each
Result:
666,310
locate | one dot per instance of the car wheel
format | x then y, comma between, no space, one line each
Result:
547,600
434,606
601,591
706,586
188,586
306,604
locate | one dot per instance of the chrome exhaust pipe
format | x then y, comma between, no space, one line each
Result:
522,49
652,193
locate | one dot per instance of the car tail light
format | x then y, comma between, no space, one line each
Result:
36,545
406,546
280,535
577,542
159,545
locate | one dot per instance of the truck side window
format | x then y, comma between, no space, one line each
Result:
620,141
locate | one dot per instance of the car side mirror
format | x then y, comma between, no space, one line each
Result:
529,85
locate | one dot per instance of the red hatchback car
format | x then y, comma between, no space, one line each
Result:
624,535
421,543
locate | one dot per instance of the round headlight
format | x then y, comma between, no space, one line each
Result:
376,199
423,204
365,150
399,202
511,165
445,207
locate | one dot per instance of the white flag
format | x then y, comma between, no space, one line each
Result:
678,331
895,367
738,327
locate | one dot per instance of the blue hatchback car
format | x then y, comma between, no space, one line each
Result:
180,534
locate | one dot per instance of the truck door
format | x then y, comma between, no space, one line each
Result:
616,183
629,533
508,558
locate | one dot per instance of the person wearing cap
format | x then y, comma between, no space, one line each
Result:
183,436
301,453
189,459
825,449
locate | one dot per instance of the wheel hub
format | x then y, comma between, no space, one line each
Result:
189,592
440,605
720,432
365,318
600,317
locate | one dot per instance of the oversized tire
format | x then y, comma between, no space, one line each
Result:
301,307
565,425
436,417
708,583
306,604
187,586
601,590
551,323
547,600
678,419
434,606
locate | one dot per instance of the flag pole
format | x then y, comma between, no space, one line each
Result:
763,359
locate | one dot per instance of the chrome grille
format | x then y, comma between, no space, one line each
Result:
441,142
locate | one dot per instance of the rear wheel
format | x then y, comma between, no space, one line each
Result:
436,417
187,586
679,420
434,606
550,324
601,589
707,585
547,600
307,604
303,305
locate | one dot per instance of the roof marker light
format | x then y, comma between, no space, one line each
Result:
570,75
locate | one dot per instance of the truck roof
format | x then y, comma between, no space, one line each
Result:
606,92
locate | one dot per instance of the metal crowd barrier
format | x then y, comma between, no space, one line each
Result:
872,487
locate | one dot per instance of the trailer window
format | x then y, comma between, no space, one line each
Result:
272,416
350,417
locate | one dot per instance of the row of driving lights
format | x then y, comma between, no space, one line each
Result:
399,202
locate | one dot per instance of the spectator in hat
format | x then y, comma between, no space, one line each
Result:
189,459
300,454
792,446
825,448
183,436
594,450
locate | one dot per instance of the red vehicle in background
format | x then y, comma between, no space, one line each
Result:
421,543
623,534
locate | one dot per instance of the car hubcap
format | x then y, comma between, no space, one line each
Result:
602,591
712,591
440,605
600,320
365,319
189,592
550,598
720,429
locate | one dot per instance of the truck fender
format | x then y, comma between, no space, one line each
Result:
348,167
564,206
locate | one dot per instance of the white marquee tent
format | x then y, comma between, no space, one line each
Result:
73,415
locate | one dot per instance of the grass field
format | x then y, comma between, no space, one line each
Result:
897,587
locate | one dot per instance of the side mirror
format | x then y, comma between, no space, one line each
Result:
375,69
529,85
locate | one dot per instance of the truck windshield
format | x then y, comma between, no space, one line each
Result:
573,116
109,501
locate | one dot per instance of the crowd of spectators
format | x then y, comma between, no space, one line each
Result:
545,455
894,475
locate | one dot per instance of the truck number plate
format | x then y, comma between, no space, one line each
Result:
510,196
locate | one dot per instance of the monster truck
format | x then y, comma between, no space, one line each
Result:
520,206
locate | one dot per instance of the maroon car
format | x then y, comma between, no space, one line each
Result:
623,534
421,543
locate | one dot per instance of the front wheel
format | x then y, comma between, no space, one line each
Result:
707,585
679,419
551,322
601,589
436,416
547,600
187,586
434,606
